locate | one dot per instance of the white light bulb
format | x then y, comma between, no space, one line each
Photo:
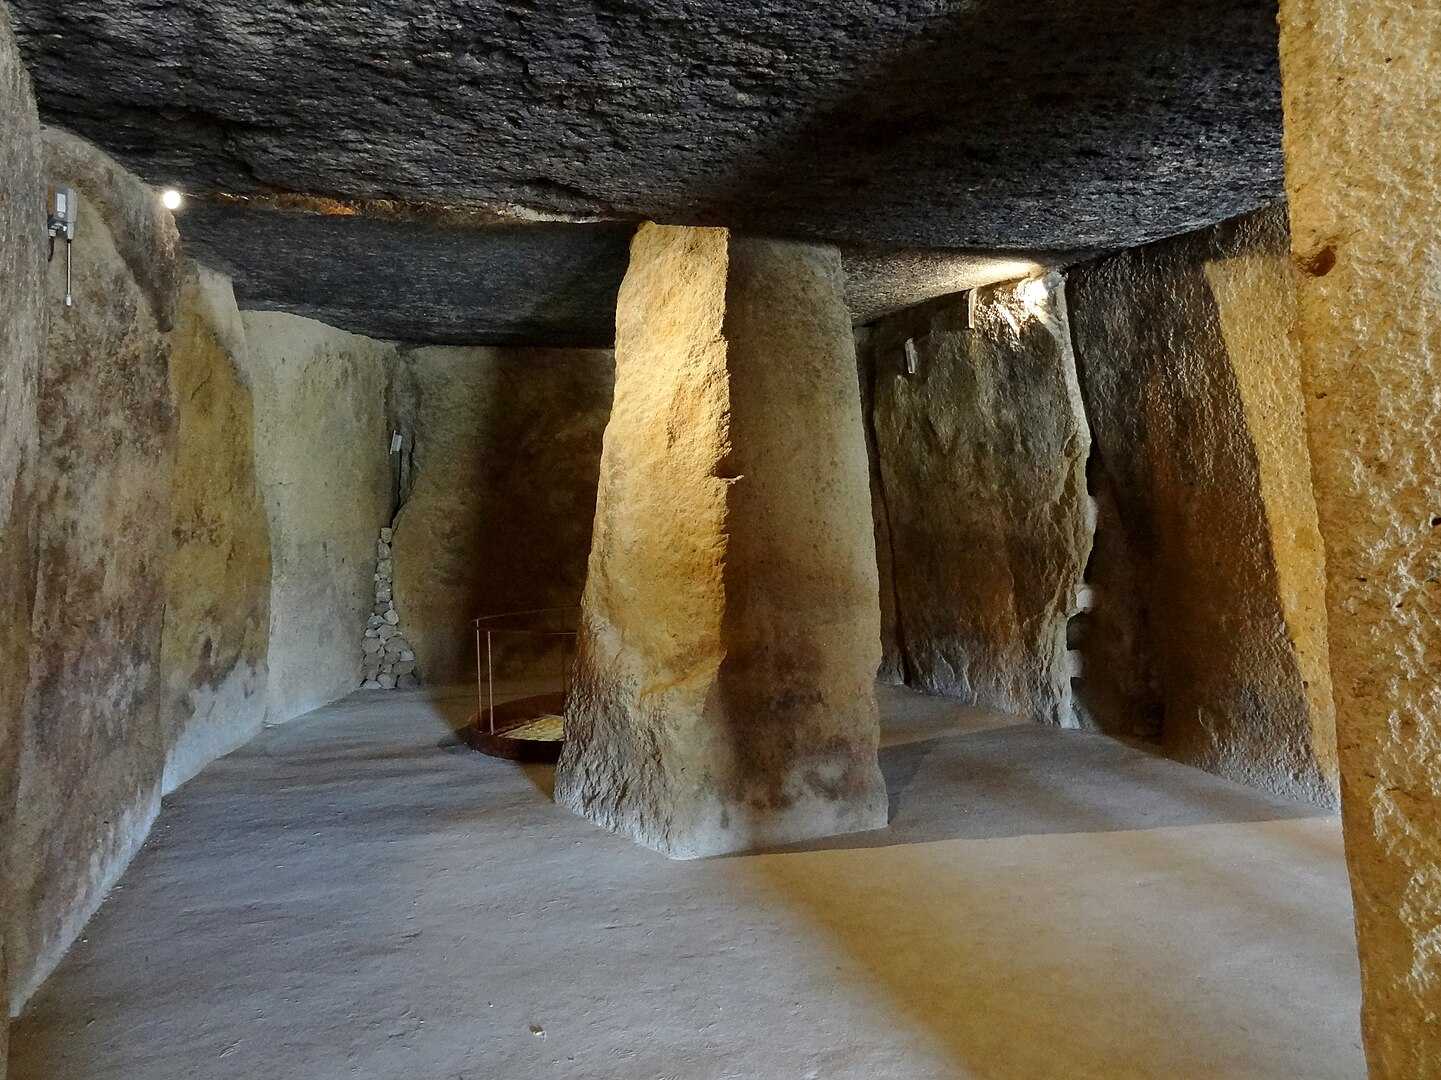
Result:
171,198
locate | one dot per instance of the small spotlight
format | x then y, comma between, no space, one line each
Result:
171,198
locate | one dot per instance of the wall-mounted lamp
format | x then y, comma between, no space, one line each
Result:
171,199
971,305
913,359
61,212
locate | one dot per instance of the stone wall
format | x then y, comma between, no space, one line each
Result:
321,446
93,751
146,414
979,483
1363,173
387,660
1215,579
23,311
217,615
498,517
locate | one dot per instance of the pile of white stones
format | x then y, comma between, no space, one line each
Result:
389,661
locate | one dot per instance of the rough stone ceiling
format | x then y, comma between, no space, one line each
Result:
1058,125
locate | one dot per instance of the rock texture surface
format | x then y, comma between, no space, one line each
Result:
723,694
422,274
22,343
1191,382
217,614
1363,172
322,445
981,455
93,751
498,517
419,279
387,660
841,121
859,122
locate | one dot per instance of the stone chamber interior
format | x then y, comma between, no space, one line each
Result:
990,454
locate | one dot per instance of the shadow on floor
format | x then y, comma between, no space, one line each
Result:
1029,780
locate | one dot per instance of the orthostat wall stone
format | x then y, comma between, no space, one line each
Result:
1362,93
217,614
723,691
93,751
23,314
893,665
498,516
1191,380
982,454
322,447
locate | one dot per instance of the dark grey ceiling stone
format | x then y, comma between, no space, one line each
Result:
418,281
450,279
983,124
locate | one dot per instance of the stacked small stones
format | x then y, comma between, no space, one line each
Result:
389,661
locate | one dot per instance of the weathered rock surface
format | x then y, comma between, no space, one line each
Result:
217,615
412,280
873,124
842,121
322,453
1191,383
893,665
22,344
93,751
1363,172
422,275
498,517
982,456
723,695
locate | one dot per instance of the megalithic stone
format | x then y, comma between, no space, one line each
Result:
723,691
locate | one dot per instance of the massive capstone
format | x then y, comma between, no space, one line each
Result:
913,125
722,696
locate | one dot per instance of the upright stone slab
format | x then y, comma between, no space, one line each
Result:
22,346
93,751
730,632
217,609
981,462
507,451
1190,378
1362,99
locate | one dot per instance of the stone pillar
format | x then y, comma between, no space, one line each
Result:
730,631
1362,99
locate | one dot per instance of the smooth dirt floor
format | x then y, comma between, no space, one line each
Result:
357,895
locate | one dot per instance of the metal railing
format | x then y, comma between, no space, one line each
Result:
487,627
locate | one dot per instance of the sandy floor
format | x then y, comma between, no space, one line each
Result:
355,895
